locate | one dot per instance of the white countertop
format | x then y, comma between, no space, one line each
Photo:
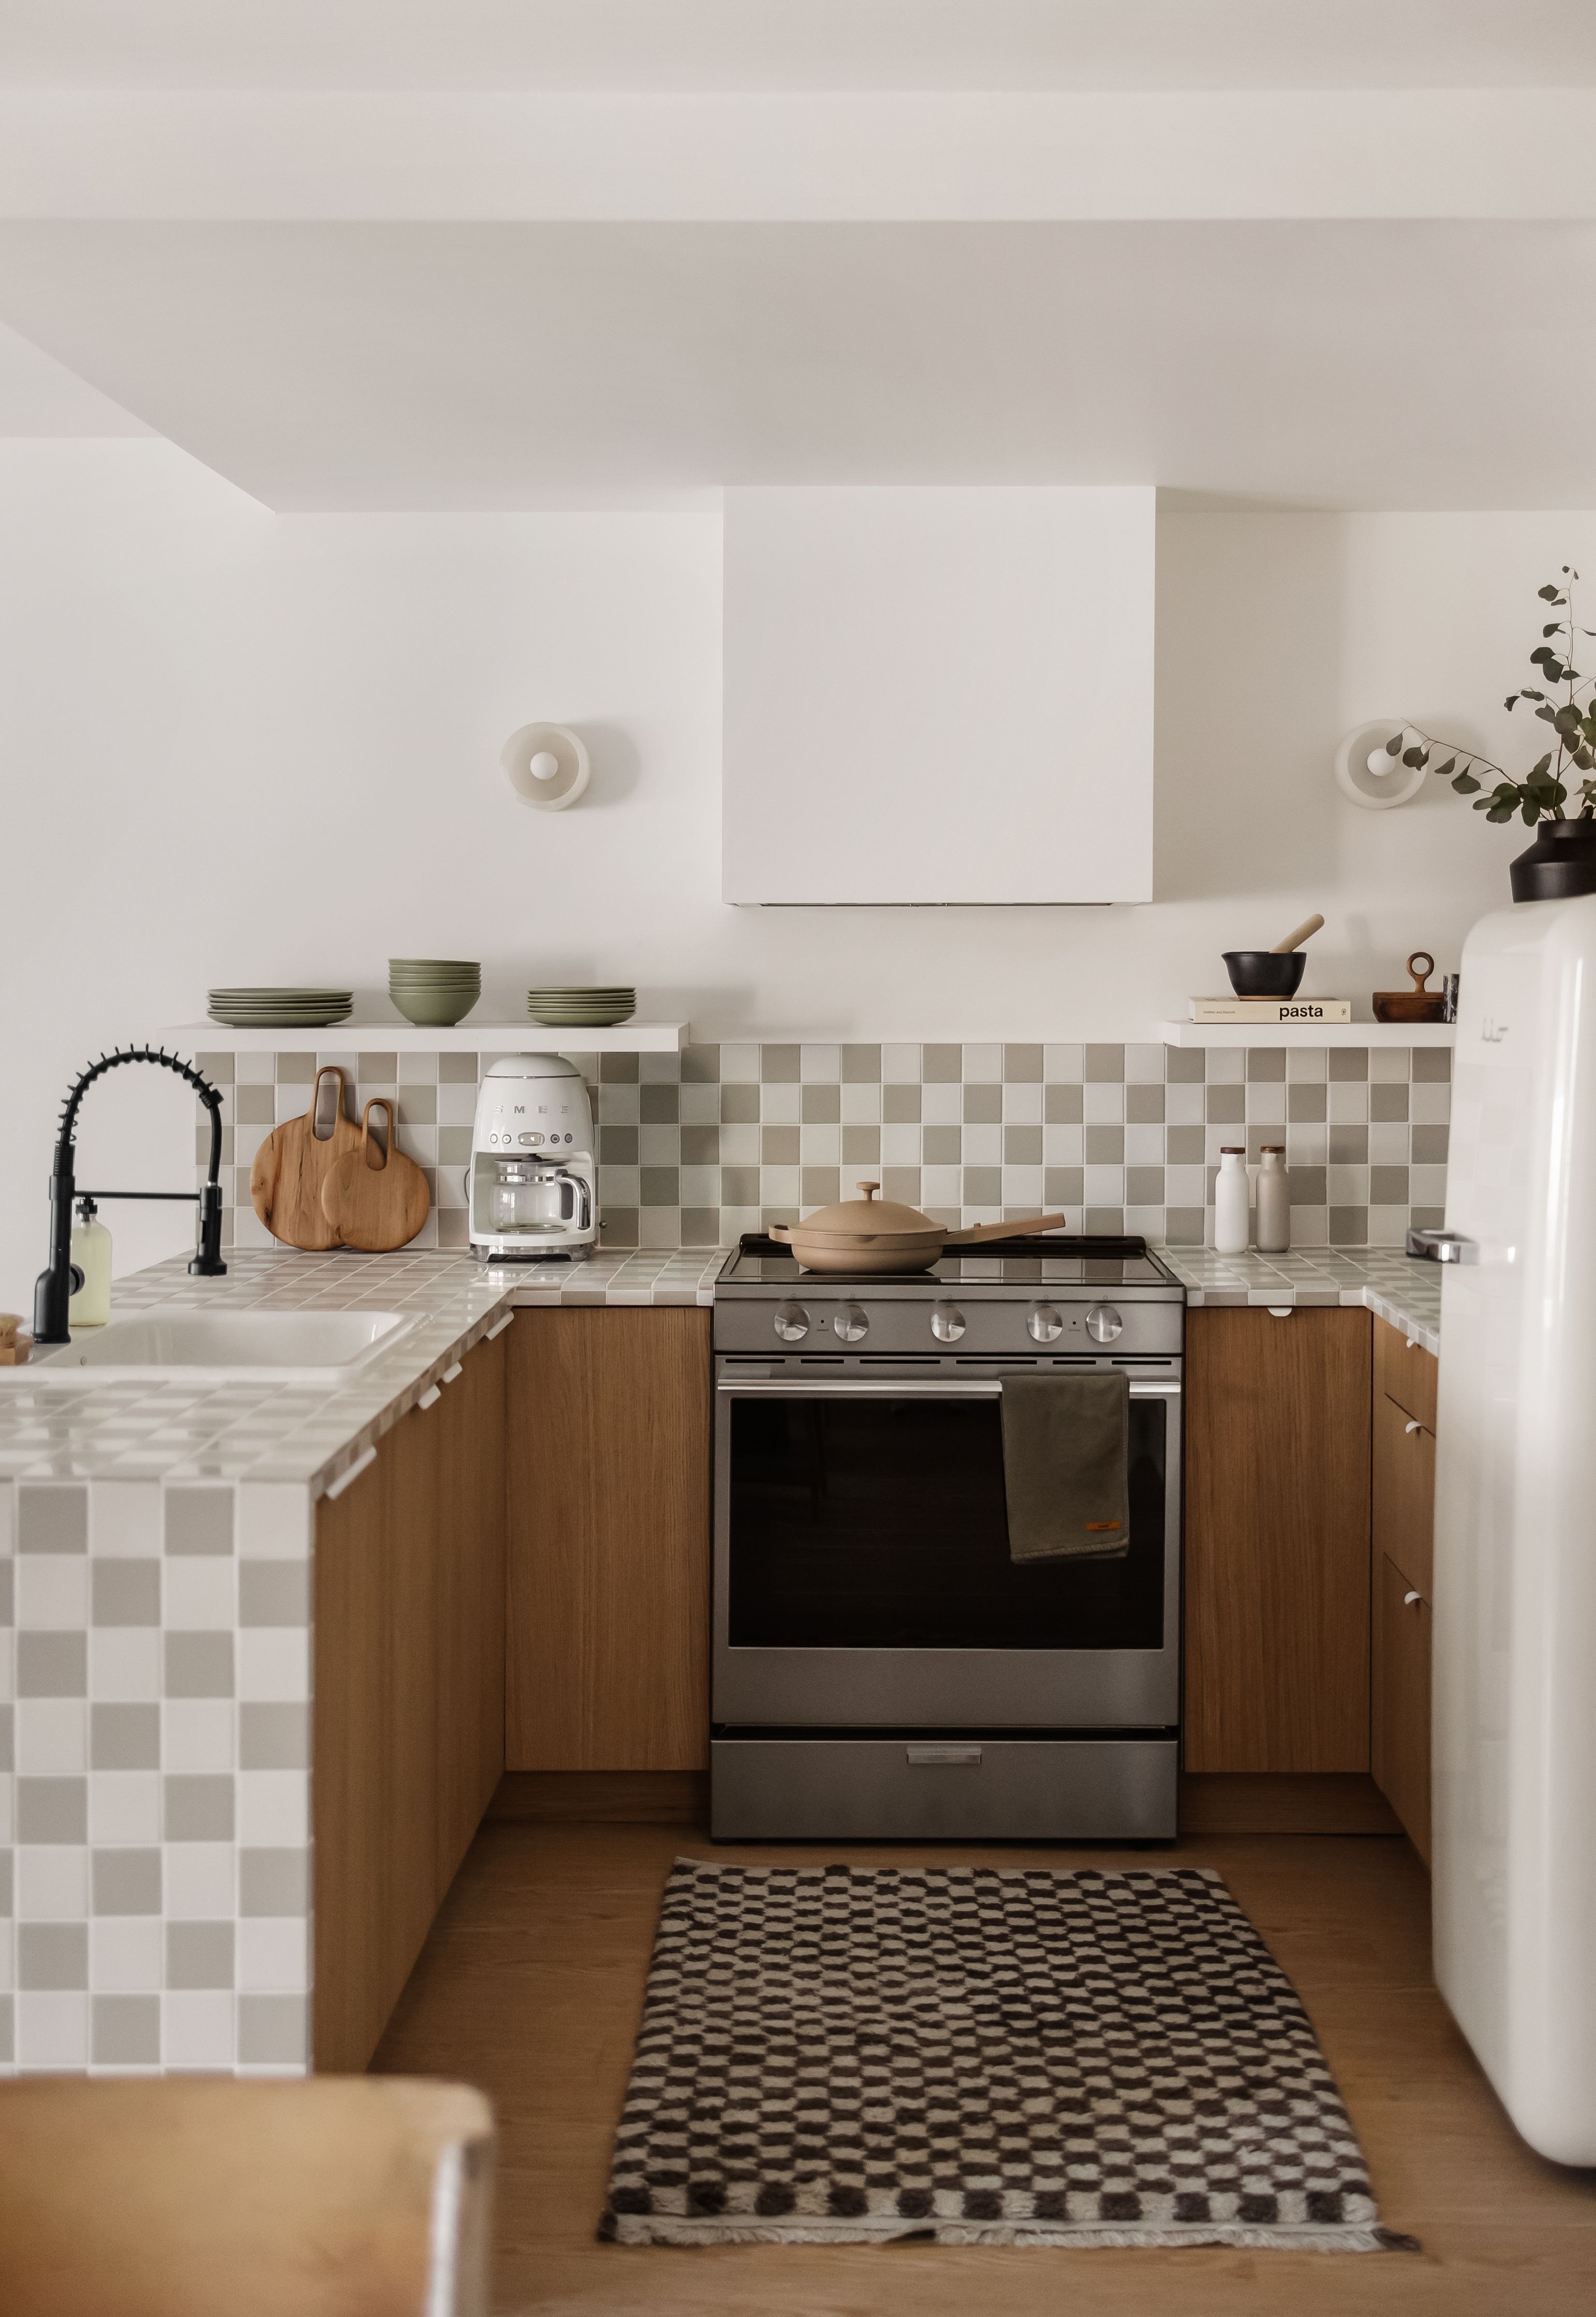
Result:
53,1428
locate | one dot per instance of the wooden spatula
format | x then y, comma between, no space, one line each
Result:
293,1163
373,1197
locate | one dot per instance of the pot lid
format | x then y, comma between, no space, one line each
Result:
869,1218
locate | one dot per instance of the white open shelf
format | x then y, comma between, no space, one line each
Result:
468,1037
1308,1033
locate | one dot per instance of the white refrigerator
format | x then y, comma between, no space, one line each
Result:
1514,1732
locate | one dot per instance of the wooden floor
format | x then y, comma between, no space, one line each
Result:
530,1984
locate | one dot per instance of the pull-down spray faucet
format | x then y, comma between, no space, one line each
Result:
58,1283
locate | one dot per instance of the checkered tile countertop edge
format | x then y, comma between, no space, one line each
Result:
241,1430
1394,1287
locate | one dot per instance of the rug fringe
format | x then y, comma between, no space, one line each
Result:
642,2229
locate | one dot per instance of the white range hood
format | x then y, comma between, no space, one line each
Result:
938,696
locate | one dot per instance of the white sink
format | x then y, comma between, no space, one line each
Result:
265,1347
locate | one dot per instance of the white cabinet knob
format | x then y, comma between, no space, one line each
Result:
1408,1599
1412,1426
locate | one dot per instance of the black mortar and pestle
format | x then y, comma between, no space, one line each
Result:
1275,972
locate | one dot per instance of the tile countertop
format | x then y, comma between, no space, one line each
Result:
53,1429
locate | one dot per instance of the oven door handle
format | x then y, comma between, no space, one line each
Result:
905,1388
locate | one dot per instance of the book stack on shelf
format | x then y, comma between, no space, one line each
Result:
1265,1013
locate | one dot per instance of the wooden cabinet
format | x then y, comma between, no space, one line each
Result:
1277,1541
609,1530
408,1716
1406,1380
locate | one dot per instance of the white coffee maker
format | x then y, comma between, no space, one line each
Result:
534,1178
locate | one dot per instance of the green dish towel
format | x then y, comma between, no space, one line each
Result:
1066,1461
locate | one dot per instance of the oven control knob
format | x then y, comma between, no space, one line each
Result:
850,1323
948,1323
1044,1326
792,1322
1103,1323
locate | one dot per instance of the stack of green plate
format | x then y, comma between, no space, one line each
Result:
581,1008
433,992
281,1010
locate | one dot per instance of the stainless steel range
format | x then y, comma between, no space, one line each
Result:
883,1669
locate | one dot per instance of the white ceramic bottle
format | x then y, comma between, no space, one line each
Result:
1272,1234
1230,1202
91,1251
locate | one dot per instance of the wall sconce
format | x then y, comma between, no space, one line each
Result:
1372,778
547,765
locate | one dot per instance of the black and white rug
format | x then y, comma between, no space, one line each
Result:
977,2056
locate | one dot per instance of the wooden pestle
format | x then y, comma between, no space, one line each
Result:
1294,940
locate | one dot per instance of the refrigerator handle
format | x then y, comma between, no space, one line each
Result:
1443,1246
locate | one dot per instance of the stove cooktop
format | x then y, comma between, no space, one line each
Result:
1050,1258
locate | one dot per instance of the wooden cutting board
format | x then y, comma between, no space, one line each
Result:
373,1197
294,1161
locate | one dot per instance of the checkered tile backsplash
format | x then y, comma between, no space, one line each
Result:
696,1148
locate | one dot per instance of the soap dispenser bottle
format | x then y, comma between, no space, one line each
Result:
91,1252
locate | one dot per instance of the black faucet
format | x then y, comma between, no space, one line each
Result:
56,1285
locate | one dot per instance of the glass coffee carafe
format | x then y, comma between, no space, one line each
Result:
530,1198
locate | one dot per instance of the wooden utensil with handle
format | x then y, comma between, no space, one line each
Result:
294,1161
1417,1004
1296,940
373,1197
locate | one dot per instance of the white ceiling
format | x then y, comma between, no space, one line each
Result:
1438,365
796,44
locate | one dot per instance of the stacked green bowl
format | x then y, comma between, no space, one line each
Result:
433,992
582,1008
273,1008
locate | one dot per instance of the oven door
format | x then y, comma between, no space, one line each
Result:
862,1573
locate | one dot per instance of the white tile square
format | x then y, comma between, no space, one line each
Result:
1427,1187
700,1105
124,1664
199,1592
275,1661
51,1736
819,1146
900,1065
1265,1103
1307,1145
1144,1065
1144,1146
1387,1226
619,1186
1063,1065
1219,1139
740,1065
658,1146
1145,1223
942,1104
1104,1103
291,1101
52,1882
7,1519
1307,1065
1429,1102
982,1065
983,1146
821,1065
1389,1144
7,1963
247,1143
1390,1065
701,1186
941,1186
274,1956
52,2031
1183,1103
198,1734
735,1222
779,1186
739,1146
127,1954
449,1188
125,1807
1185,1186
1022,1186
900,1146
7,1806
861,1103
1348,1103
200,1882
781,1104
1063,1146
197,2028
125,1519
1022,1104
1224,1065
457,1103
274,1808
618,1106
1105,1187
52,1592
248,1231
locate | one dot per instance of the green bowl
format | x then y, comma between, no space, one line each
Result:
437,1009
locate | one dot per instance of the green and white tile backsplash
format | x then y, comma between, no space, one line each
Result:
696,1148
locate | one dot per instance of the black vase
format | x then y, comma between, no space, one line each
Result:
1559,865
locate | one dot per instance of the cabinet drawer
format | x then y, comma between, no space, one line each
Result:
1400,1730
1403,1493
1407,1377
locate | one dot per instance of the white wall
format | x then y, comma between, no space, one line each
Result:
240,747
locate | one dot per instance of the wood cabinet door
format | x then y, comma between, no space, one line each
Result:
1401,1717
609,1506
1406,1373
408,1717
1277,1540
1403,1493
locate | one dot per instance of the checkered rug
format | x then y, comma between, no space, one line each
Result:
837,2055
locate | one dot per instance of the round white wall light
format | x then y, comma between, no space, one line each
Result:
547,765
1367,772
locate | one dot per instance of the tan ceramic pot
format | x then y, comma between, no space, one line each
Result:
870,1234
